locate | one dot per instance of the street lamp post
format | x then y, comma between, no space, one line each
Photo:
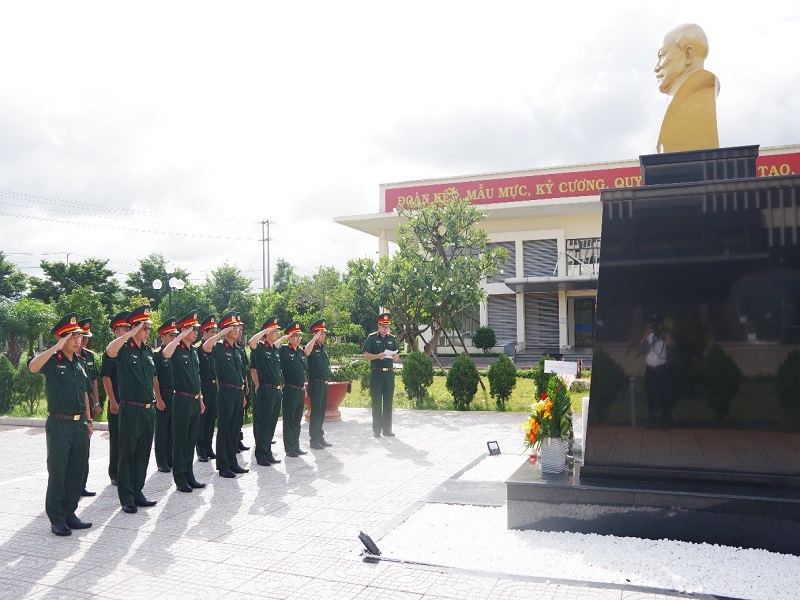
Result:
172,283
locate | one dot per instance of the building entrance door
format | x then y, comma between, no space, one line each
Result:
584,322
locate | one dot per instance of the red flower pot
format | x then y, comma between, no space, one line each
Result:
337,390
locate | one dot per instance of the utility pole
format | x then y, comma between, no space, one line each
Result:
265,239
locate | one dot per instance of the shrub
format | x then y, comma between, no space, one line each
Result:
608,380
355,371
787,384
28,387
502,379
579,387
719,380
342,350
540,378
417,376
462,381
484,339
6,385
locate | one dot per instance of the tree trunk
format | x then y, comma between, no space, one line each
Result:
14,351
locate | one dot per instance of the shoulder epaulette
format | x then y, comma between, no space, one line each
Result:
155,350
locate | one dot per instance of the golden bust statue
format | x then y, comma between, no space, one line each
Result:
690,122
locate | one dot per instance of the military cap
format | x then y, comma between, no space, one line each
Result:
168,326
188,320
86,326
293,327
384,319
318,326
270,323
67,324
227,320
238,317
208,323
119,319
140,314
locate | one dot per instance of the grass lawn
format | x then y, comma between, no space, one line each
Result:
440,399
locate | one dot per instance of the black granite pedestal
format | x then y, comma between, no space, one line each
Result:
709,449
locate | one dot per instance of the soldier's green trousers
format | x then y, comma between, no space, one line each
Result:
136,427
185,424
163,432
67,447
229,407
292,414
266,409
381,391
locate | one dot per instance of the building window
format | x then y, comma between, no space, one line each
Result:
583,256
540,258
509,267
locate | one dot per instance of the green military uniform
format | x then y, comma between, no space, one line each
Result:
208,385
109,369
66,430
163,431
87,356
319,370
266,360
230,395
137,370
381,379
293,367
186,407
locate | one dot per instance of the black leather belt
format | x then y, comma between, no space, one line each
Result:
187,394
166,389
230,385
319,380
137,404
382,369
270,385
77,417
209,380
293,387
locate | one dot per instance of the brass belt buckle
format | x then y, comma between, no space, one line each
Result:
76,418
148,404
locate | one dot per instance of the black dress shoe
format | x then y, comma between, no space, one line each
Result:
316,445
196,484
210,454
144,502
227,473
263,462
164,469
292,453
273,441
325,443
76,523
86,492
238,469
273,460
202,458
388,434
129,508
60,529
184,487
301,452
241,446
113,482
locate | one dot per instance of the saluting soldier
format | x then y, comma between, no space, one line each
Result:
94,396
137,381
240,346
119,325
230,393
293,367
319,370
188,401
265,368
69,424
381,349
165,393
208,386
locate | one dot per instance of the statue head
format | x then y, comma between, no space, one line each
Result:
684,51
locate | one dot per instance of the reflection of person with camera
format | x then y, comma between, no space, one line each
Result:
656,375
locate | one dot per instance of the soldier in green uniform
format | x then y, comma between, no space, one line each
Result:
208,386
165,394
381,349
293,367
119,325
240,346
188,401
230,393
137,381
265,364
69,424
94,396
319,369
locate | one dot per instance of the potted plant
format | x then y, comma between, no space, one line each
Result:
548,428
339,384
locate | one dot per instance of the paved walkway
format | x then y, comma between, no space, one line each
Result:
288,531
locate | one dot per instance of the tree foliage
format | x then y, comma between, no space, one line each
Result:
152,267
417,375
13,283
484,339
462,381
225,285
502,380
62,278
21,324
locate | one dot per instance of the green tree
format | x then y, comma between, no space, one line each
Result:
21,324
361,278
285,276
417,375
225,283
28,388
6,385
442,240
324,295
152,267
462,381
62,278
484,339
401,283
12,283
502,380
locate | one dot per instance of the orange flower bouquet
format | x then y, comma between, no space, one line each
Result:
551,415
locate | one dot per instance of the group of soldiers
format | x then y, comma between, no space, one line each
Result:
176,393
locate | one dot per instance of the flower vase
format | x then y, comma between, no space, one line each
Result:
553,454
